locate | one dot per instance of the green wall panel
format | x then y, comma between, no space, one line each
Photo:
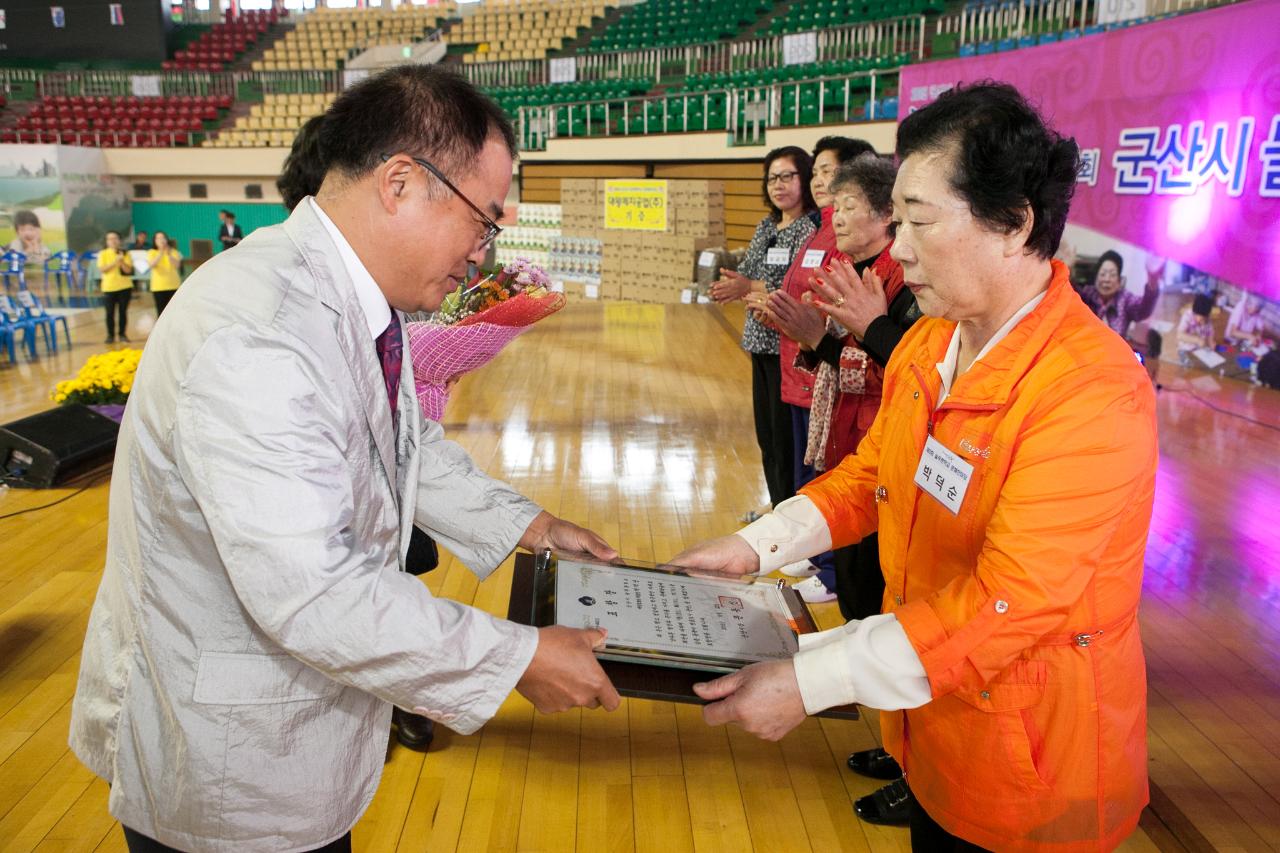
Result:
183,220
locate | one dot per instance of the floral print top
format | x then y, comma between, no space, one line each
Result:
757,337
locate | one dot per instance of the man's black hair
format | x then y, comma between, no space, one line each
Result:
421,110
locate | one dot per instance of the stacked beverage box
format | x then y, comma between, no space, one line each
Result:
530,238
646,266
581,207
649,266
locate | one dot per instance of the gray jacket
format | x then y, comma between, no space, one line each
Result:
253,620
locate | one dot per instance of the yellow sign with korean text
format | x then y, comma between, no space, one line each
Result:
637,205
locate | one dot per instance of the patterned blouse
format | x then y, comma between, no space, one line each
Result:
756,337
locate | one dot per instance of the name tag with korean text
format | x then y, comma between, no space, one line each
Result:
812,259
778,256
943,475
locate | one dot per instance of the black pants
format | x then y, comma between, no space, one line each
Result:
117,304
859,580
162,299
928,837
139,843
773,427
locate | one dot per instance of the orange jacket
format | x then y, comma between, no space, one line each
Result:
1022,607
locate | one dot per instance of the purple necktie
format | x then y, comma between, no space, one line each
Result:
391,353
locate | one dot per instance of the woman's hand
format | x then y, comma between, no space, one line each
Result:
758,305
802,323
763,698
725,554
851,301
730,286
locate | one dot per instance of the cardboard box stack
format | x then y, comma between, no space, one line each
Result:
581,207
640,266
576,257
655,266
575,264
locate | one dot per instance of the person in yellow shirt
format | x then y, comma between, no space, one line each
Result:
117,285
166,270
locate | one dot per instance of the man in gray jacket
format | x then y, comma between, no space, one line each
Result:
253,627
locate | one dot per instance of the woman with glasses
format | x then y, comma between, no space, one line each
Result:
798,383
791,221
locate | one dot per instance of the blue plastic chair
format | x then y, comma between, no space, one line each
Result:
6,342
13,268
88,263
48,323
12,322
60,270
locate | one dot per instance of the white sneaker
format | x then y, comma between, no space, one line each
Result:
814,591
802,569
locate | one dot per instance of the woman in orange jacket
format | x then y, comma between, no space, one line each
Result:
1010,474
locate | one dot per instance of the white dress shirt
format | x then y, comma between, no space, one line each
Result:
868,661
377,313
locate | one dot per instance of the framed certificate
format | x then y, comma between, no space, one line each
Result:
645,671
668,616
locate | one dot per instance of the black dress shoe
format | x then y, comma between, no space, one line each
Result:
890,806
111,339
875,763
412,730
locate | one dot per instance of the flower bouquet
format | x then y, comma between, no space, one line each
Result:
472,326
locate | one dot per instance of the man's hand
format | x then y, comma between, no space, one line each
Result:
730,286
729,554
852,301
547,531
802,323
565,674
763,698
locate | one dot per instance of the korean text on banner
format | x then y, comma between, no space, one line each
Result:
637,205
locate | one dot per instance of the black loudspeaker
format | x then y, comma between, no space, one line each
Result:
54,446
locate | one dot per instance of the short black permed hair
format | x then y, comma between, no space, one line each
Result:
846,148
1008,162
304,168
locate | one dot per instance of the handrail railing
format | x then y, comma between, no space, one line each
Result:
894,35
172,83
618,116
114,138
977,22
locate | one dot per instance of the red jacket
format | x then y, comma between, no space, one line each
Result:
854,413
797,385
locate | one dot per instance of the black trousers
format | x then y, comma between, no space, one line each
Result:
162,299
928,837
859,580
773,427
139,843
117,305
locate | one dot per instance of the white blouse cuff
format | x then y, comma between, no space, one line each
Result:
868,661
795,530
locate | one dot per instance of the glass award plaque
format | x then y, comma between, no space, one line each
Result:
669,616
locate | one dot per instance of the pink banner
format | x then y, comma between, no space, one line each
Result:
1179,125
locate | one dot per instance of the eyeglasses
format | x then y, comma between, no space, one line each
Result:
780,178
491,228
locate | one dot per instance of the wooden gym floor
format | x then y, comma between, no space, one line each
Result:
636,420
